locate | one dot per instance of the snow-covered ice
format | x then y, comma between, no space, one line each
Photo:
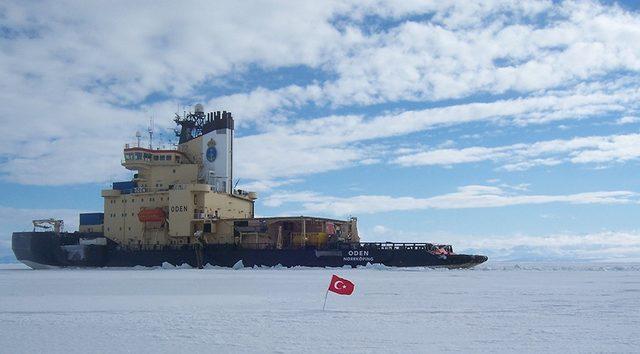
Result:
493,308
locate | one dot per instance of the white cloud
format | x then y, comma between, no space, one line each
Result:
627,120
447,58
517,157
265,185
329,143
68,69
381,230
76,74
605,245
452,156
263,157
473,196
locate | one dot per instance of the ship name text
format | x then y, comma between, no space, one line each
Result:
179,208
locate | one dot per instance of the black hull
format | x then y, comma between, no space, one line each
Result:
46,249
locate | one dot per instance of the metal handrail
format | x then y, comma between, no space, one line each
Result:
257,245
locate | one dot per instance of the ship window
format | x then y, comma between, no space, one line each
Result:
108,229
138,156
177,158
147,156
168,157
129,229
174,170
162,158
155,157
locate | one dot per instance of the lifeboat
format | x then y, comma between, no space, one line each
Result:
151,215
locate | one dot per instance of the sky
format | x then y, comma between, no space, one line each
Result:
509,128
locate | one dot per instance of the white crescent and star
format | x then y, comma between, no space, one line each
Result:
342,286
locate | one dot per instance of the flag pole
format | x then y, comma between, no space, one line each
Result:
325,299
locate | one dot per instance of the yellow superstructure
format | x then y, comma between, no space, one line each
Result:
185,196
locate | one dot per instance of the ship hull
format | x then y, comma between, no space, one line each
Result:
45,250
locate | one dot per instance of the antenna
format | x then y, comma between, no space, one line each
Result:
138,136
151,132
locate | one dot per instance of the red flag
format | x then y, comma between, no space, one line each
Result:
341,286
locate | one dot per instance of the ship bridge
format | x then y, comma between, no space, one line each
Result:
172,190
137,158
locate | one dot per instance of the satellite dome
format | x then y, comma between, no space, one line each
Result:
199,108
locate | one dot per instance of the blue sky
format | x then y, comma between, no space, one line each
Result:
502,127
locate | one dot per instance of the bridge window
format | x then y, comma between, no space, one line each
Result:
168,157
138,156
162,157
155,157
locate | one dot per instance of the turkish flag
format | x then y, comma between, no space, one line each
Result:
341,286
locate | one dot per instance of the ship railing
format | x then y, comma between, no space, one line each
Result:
205,216
152,247
192,246
258,245
142,190
403,246
430,247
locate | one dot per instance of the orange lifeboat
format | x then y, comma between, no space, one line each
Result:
151,215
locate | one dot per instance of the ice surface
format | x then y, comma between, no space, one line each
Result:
493,308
